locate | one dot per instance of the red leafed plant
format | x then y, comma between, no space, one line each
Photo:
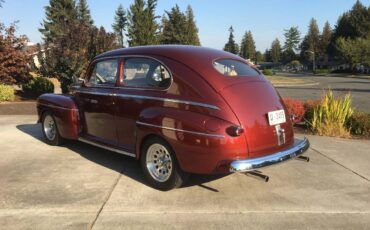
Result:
295,109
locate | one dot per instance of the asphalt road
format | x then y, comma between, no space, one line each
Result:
78,186
359,89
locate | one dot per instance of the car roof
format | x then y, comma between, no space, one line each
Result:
200,59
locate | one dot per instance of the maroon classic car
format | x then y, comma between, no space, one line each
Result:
177,109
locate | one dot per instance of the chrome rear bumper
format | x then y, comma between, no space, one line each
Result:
298,148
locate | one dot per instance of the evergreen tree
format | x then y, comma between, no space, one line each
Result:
354,23
231,45
259,57
83,12
59,15
191,28
142,25
1,3
66,42
248,47
267,55
275,51
120,23
174,27
152,33
313,36
179,27
325,40
311,42
292,40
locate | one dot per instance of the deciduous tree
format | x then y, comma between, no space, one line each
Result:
354,51
13,58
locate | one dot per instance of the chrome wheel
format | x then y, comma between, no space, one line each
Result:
49,127
159,162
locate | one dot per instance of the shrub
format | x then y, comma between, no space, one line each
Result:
359,124
38,86
295,109
267,72
309,107
322,71
331,116
6,93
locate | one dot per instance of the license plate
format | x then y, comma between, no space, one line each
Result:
276,117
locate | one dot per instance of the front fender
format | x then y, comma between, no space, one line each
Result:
65,112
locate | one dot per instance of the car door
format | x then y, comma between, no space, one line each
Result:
97,102
144,78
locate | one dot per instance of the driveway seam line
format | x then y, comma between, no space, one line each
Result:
354,172
106,199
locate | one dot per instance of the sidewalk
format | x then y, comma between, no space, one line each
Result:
78,186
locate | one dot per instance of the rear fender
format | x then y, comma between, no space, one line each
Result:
199,141
65,112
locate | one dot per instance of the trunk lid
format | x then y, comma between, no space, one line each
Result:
251,101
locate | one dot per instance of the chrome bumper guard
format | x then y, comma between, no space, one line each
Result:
298,148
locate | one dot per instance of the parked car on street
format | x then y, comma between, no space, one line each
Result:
176,109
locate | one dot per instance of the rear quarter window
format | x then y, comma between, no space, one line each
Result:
234,68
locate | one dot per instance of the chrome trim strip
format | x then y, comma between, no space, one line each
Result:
55,107
298,148
169,100
152,98
181,130
106,147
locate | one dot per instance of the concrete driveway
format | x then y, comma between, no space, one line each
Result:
82,187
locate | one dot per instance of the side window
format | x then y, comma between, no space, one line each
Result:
145,73
104,72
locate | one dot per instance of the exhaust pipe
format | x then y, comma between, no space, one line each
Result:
303,158
258,175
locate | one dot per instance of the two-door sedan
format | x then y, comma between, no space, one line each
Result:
176,109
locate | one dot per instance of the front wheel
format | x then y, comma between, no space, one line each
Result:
160,166
50,130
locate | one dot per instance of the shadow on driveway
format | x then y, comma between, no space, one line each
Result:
125,165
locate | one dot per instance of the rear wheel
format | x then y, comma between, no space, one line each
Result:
50,130
160,166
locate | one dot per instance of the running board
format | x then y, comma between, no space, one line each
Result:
106,147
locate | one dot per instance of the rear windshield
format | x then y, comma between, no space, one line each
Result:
233,68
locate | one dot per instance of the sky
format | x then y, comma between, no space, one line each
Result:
267,19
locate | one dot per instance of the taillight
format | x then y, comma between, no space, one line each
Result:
235,131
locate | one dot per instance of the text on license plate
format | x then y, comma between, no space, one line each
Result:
276,117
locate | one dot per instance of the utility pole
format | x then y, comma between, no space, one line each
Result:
313,59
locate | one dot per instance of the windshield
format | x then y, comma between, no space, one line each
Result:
233,68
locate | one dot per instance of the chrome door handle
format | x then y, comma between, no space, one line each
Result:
93,101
